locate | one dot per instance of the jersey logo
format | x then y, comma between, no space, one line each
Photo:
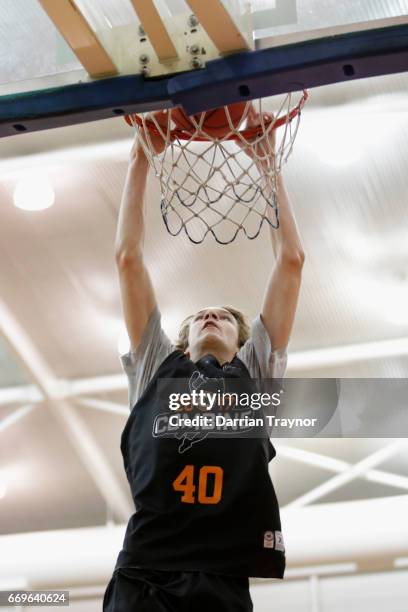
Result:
187,440
269,539
279,544
197,381
274,539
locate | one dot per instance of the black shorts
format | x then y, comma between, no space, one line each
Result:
144,590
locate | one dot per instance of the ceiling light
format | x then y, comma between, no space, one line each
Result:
34,192
401,562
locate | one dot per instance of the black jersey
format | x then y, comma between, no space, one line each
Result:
202,503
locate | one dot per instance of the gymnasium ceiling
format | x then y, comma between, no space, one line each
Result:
60,315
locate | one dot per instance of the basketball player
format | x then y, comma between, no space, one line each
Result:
207,516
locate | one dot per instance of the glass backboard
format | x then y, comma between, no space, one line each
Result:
34,56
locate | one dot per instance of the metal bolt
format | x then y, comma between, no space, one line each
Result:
194,49
141,31
195,63
144,59
193,21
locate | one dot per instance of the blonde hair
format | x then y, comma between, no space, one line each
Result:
243,329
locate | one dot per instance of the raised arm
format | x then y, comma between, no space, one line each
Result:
282,291
138,299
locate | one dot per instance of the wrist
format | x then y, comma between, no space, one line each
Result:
279,180
138,156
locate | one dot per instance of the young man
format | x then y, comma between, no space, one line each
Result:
206,516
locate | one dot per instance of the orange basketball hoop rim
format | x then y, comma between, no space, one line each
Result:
237,134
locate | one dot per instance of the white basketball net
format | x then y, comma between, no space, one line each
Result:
220,185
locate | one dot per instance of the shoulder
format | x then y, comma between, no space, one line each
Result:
141,364
260,358
152,334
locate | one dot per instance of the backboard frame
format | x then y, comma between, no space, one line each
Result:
287,66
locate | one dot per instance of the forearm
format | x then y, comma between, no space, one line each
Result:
281,296
286,242
286,239
130,228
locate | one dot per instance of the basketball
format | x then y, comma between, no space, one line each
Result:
160,117
215,121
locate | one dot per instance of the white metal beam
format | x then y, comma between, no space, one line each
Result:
15,416
321,570
98,384
355,471
103,406
298,362
337,465
92,457
314,593
22,394
317,359
25,352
